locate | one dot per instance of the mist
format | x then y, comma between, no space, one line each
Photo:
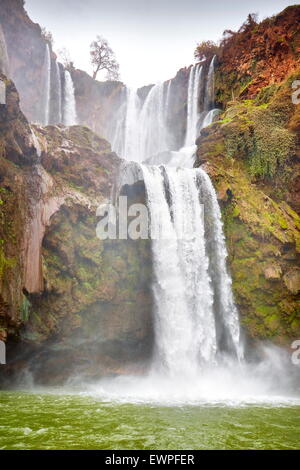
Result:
151,40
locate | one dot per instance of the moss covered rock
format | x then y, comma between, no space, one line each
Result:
251,155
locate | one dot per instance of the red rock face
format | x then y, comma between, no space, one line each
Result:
263,54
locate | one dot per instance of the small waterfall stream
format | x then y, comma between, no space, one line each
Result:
59,93
132,117
153,137
192,105
59,104
70,115
4,60
47,85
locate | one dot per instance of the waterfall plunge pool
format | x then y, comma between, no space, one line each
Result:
69,421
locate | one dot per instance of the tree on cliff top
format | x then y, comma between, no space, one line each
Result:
206,50
47,35
103,58
65,58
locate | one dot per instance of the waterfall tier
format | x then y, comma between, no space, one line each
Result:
195,317
47,86
70,115
142,130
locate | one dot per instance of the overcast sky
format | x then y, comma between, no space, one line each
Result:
152,39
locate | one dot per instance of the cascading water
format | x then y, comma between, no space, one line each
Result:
69,115
132,117
185,156
47,85
141,130
195,317
142,133
153,138
210,86
36,144
59,93
4,60
167,101
116,129
198,352
192,108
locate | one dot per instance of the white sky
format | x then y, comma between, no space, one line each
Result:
152,39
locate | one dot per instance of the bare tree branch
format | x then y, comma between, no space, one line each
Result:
103,58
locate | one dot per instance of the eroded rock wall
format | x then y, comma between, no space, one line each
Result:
252,155
67,298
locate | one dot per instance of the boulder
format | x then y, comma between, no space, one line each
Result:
292,280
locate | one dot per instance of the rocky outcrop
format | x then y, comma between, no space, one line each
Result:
259,55
16,151
96,102
66,296
26,55
23,56
292,280
252,155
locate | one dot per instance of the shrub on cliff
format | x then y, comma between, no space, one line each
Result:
205,50
272,145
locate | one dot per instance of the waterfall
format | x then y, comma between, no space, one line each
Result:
140,131
153,136
209,117
59,93
36,144
116,129
4,60
131,150
167,101
47,85
210,87
198,354
226,312
195,316
192,104
70,116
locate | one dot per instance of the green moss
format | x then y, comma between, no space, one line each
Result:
266,94
272,322
5,263
267,311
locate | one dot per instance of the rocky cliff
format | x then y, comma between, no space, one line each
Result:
65,295
253,155
23,57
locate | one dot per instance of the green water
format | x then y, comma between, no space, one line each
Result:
48,421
